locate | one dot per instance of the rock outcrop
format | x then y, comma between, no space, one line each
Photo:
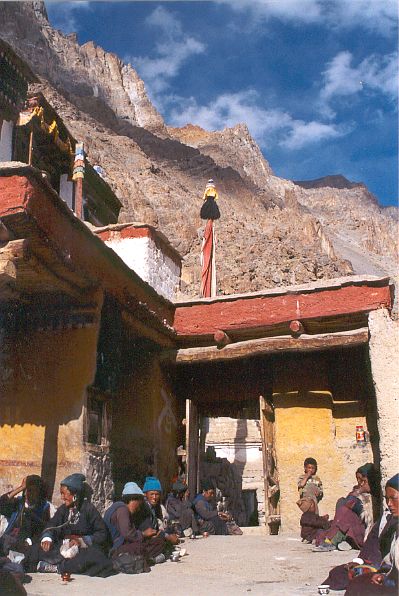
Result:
272,231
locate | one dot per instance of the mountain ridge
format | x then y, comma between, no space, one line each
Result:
272,231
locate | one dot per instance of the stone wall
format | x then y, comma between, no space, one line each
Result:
384,359
98,470
238,445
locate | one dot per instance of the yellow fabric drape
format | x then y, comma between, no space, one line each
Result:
50,129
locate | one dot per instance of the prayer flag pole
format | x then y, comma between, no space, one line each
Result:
210,212
77,177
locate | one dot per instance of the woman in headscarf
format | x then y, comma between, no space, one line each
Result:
27,511
353,518
384,580
78,530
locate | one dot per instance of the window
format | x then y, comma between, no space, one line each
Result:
98,418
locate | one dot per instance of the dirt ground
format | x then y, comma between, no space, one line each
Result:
254,563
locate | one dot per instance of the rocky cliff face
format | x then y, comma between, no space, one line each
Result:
272,231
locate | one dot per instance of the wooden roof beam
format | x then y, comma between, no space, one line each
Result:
268,345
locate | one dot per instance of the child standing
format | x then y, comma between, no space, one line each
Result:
310,485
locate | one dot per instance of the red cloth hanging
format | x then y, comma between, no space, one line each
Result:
206,260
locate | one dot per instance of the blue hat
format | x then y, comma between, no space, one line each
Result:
74,482
131,488
394,482
152,483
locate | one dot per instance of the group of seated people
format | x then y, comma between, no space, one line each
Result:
375,569
135,532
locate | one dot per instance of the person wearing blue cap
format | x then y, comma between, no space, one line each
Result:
153,514
79,523
128,542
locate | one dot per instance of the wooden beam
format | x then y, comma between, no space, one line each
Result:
142,329
268,345
29,272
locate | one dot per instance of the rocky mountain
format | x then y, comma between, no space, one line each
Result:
272,231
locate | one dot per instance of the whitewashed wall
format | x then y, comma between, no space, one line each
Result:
150,263
6,141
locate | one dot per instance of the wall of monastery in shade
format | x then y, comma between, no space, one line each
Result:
384,359
150,262
145,424
43,378
317,408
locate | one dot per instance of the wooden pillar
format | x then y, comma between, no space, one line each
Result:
192,446
79,198
30,150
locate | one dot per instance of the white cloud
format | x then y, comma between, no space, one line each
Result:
64,15
375,73
267,126
304,133
174,48
286,10
375,15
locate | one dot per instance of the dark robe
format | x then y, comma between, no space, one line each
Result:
127,538
87,524
181,512
23,522
372,552
147,517
348,522
208,518
311,524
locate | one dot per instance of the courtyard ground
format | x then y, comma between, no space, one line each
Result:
254,563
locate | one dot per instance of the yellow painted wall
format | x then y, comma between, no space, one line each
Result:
309,423
43,378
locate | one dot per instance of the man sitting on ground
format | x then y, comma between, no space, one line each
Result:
126,538
180,511
153,513
209,519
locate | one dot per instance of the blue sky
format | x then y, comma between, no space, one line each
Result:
314,80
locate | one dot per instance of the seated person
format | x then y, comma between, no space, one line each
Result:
309,484
209,520
27,515
353,518
79,524
383,580
180,511
311,523
126,538
153,514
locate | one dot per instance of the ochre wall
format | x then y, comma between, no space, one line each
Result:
144,425
43,378
309,423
